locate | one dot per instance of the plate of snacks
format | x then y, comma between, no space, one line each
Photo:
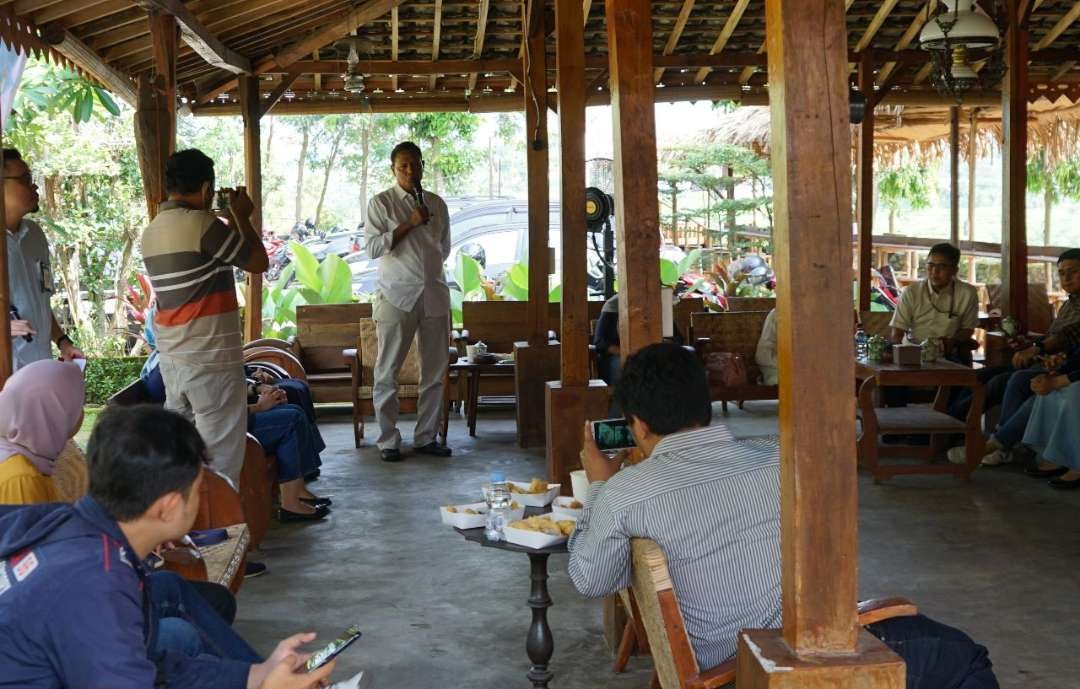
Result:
565,504
541,531
474,515
536,493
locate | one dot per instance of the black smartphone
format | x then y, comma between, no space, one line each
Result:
332,649
612,434
14,311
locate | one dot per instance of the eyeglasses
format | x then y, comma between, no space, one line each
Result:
1068,273
26,179
930,267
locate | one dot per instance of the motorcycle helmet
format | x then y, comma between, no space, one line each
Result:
476,252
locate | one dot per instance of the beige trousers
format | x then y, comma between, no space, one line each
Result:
396,330
217,402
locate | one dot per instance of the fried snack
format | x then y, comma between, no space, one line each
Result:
466,510
544,524
451,508
574,505
514,506
537,485
566,526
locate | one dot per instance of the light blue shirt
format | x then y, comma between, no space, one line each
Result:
31,284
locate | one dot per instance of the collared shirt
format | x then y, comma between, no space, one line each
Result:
765,354
414,267
934,313
190,255
1067,315
31,284
713,506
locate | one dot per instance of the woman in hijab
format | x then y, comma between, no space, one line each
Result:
41,407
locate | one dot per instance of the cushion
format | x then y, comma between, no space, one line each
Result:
223,559
369,353
71,476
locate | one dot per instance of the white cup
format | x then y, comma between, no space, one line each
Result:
579,484
470,352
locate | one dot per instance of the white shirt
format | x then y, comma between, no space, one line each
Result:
31,284
414,267
765,355
931,313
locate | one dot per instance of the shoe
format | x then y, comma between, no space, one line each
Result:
957,455
254,569
996,458
1046,473
434,449
285,516
1061,484
391,455
312,475
317,502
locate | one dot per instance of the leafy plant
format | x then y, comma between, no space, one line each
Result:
106,377
328,282
908,185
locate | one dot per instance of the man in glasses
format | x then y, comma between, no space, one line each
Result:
408,231
33,326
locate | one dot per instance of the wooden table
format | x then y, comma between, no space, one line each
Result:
473,371
918,420
539,642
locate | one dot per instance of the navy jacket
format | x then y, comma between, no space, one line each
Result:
74,611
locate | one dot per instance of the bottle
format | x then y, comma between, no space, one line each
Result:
861,343
497,495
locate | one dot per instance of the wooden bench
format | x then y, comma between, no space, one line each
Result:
322,332
766,304
737,332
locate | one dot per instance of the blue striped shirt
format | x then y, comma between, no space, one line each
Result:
713,507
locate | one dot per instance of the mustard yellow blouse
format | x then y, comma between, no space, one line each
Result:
22,484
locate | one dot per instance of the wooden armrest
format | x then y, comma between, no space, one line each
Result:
454,355
878,609
270,342
722,674
700,344
351,356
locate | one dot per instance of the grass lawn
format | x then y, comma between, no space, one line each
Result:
90,414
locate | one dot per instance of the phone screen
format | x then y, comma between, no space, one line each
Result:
330,651
612,434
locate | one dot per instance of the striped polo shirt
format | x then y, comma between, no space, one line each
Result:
189,255
713,507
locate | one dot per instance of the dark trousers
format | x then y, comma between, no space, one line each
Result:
285,431
937,656
189,624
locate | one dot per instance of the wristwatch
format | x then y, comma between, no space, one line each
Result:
60,340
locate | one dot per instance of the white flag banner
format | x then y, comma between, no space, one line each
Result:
11,68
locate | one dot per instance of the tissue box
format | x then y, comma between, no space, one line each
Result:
907,355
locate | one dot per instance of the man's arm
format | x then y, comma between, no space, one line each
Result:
599,549
68,350
382,235
446,231
254,259
901,319
1066,339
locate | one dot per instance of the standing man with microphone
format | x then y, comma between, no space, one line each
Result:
408,230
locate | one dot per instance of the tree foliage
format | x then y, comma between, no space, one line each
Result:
906,186
446,139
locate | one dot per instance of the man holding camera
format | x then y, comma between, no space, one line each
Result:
408,230
190,254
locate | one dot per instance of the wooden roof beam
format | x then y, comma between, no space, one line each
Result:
199,38
394,44
882,14
744,77
65,43
725,36
270,102
909,36
676,34
433,79
409,67
1061,27
342,25
481,34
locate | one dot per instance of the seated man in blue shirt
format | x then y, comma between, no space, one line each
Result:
74,599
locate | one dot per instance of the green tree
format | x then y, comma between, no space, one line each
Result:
447,141
1054,182
307,126
910,186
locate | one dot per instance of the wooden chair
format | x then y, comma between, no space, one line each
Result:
281,358
654,602
737,304
876,323
737,332
322,332
362,375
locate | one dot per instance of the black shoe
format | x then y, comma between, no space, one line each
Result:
1065,485
285,516
317,502
434,449
391,455
254,569
1046,473
312,475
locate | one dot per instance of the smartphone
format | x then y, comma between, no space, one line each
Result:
332,649
612,434
14,312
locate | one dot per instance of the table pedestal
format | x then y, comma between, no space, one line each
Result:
539,643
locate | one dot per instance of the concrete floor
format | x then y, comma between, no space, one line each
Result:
996,557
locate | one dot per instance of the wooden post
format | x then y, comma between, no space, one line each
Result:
629,27
821,644
865,182
251,110
152,130
536,361
973,126
5,281
954,176
573,399
163,36
1014,94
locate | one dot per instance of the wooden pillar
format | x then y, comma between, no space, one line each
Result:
865,189
574,398
163,37
536,361
1014,94
973,127
5,281
821,644
629,28
954,175
250,109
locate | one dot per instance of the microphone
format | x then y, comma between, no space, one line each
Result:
418,192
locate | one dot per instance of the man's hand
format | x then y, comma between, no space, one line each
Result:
419,216
1045,384
69,352
263,376
1019,342
1052,362
1023,358
22,328
285,648
290,673
240,204
597,465
269,399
